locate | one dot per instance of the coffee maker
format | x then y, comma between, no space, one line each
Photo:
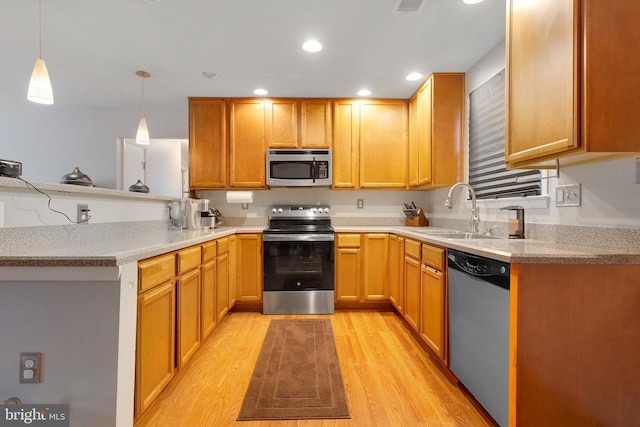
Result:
193,208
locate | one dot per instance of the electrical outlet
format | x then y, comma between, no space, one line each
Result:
30,368
568,195
360,203
82,214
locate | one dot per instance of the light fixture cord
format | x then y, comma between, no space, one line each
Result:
40,26
142,94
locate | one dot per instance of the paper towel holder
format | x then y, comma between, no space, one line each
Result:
243,197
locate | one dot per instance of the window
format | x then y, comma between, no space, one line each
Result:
488,174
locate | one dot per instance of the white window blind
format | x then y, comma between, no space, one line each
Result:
488,174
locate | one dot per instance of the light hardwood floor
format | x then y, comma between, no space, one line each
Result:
389,380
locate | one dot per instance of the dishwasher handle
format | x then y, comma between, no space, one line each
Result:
490,270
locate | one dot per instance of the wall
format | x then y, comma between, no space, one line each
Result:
610,196
50,140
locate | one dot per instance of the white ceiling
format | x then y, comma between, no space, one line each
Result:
93,48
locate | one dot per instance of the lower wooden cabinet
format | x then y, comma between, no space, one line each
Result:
189,338
348,268
222,294
396,272
376,267
208,311
432,308
411,311
249,267
155,346
233,283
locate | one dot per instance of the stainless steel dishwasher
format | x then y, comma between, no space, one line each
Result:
479,329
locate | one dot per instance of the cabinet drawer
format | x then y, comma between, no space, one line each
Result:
412,249
156,270
209,251
188,259
434,257
348,240
223,245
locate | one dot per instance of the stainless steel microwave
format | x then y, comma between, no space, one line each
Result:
298,168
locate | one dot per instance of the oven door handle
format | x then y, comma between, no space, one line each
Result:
302,237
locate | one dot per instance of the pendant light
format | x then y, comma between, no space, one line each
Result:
40,90
142,137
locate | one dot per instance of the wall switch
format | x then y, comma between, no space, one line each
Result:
30,368
568,195
360,203
83,214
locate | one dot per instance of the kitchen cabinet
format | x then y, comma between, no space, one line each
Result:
155,329
209,275
376,267
247,140
436,131
281,123
222,285
412,262
396,272
188,288
433,302
207,144
233,288
571,88
348,267
249,268
370,144
298,123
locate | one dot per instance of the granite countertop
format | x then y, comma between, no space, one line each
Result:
112,245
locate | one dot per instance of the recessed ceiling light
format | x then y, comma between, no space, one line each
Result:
261,91
413,77
364,92
312,46
472,1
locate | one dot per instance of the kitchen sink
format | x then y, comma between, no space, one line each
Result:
467,236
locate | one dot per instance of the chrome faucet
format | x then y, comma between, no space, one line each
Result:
475,215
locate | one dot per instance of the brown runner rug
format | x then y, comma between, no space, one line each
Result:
297,375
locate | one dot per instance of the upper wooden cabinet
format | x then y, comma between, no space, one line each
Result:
370,144
436,131
247,141
572,86
207,143
298,123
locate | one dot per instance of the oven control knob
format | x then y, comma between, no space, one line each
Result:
326,210
274,210
314,210
280,210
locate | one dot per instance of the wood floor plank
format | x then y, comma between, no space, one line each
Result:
389,379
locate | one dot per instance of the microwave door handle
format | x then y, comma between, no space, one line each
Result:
313,170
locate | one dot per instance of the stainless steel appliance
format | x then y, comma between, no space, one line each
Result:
298,261
298,168
479,329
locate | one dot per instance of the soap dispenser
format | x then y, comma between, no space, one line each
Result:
516,221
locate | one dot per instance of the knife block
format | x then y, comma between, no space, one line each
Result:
418,221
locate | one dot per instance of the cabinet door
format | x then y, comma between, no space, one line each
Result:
425,133
542,78
208,311
233,289
222,285
376,267
396,272
383,144
414,143
249,267
247,141
315,123
281,123
432,307
188,315
445,163
348,274
207,143
346,144
412,292
155,349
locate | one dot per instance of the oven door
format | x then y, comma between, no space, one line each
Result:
298,262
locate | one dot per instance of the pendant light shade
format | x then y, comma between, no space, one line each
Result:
40,90
142,136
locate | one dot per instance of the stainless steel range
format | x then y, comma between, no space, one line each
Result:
298,261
